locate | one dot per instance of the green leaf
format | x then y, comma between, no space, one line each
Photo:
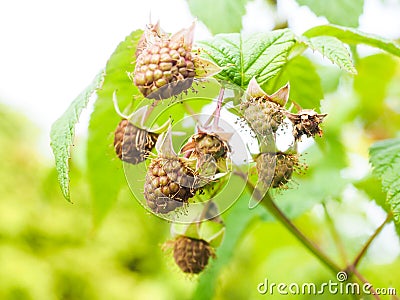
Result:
375,74
305,83
353,37
373,84
105,170
333,49
63,130
211,13
261,55
341,12
372,187
385,160
330,78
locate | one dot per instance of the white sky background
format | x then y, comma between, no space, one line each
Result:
51,50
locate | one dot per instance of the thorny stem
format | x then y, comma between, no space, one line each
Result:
217,112
370,240
336,237
350,270
215,116
149,111
269,204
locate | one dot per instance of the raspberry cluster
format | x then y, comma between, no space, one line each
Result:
166,67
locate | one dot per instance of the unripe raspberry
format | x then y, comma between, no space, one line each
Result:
165,67
210,151
284,163
207,144
192,255
264,113
131,143
169,184
264,117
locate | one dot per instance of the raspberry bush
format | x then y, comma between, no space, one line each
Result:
261,89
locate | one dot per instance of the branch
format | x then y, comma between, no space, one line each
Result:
354,271
219,106
269,204
338,241
370,240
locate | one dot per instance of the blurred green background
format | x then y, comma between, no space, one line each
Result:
49,249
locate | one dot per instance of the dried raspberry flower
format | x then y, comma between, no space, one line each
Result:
307,122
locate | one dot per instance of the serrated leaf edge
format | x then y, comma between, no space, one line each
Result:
62,127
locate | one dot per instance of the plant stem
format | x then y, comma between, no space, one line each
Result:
335,235
149,111
269,204
217,112
191,112
365,281
370,240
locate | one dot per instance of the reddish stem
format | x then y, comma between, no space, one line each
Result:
371,239
149,111
217,112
